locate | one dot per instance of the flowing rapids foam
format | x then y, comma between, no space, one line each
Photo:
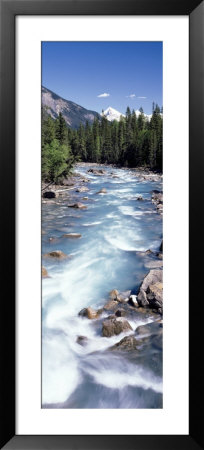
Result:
114,228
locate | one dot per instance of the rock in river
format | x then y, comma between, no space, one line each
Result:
102,191
58,254
153,264
157,199
90,313
111,305
151,328
77,205
82,340
44,273
111,327
113,294
82,189
97,171
128,343
151,290
72,235
123,296
161,246
50,194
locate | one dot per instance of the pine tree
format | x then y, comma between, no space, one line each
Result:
82,143
121,140
61,130
141,120
48,130
96,138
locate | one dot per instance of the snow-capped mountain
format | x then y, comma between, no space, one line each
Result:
112,114
148,116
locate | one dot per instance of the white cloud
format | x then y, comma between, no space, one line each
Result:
104,95
130,96
141,97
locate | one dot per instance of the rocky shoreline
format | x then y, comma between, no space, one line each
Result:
147,302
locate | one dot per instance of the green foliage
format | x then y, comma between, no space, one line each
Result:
57,158
61,132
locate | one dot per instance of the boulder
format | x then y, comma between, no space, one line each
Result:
97,171
146,253
77,205
142,298
128,343
151,290
82,340
44,273
111,327
58,254
89,312
82,189
139,198
159,255
155,295
127,309
155,191
160,207
72,235
151,336
121,312
50,194
113,294
123,296
154,276
102,191
157,199
154,264
112,305
151,328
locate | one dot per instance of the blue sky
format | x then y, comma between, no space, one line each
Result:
101,74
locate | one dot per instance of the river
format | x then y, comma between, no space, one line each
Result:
115,231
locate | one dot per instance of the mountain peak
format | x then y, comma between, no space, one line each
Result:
112,114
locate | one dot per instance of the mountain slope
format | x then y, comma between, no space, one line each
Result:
73,114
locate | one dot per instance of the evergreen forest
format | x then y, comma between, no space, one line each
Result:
134,141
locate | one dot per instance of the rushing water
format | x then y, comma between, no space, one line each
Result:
115,228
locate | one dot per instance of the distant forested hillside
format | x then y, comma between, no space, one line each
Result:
131,142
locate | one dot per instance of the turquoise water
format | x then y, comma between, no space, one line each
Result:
115,229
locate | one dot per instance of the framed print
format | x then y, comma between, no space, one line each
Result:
101,114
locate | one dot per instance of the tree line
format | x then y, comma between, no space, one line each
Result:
134,141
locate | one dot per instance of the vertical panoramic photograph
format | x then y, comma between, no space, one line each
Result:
102,224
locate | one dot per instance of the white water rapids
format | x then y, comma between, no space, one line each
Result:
115,229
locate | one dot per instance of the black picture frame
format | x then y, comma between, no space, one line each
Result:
195,10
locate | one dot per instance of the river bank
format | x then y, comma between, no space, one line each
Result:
102,291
